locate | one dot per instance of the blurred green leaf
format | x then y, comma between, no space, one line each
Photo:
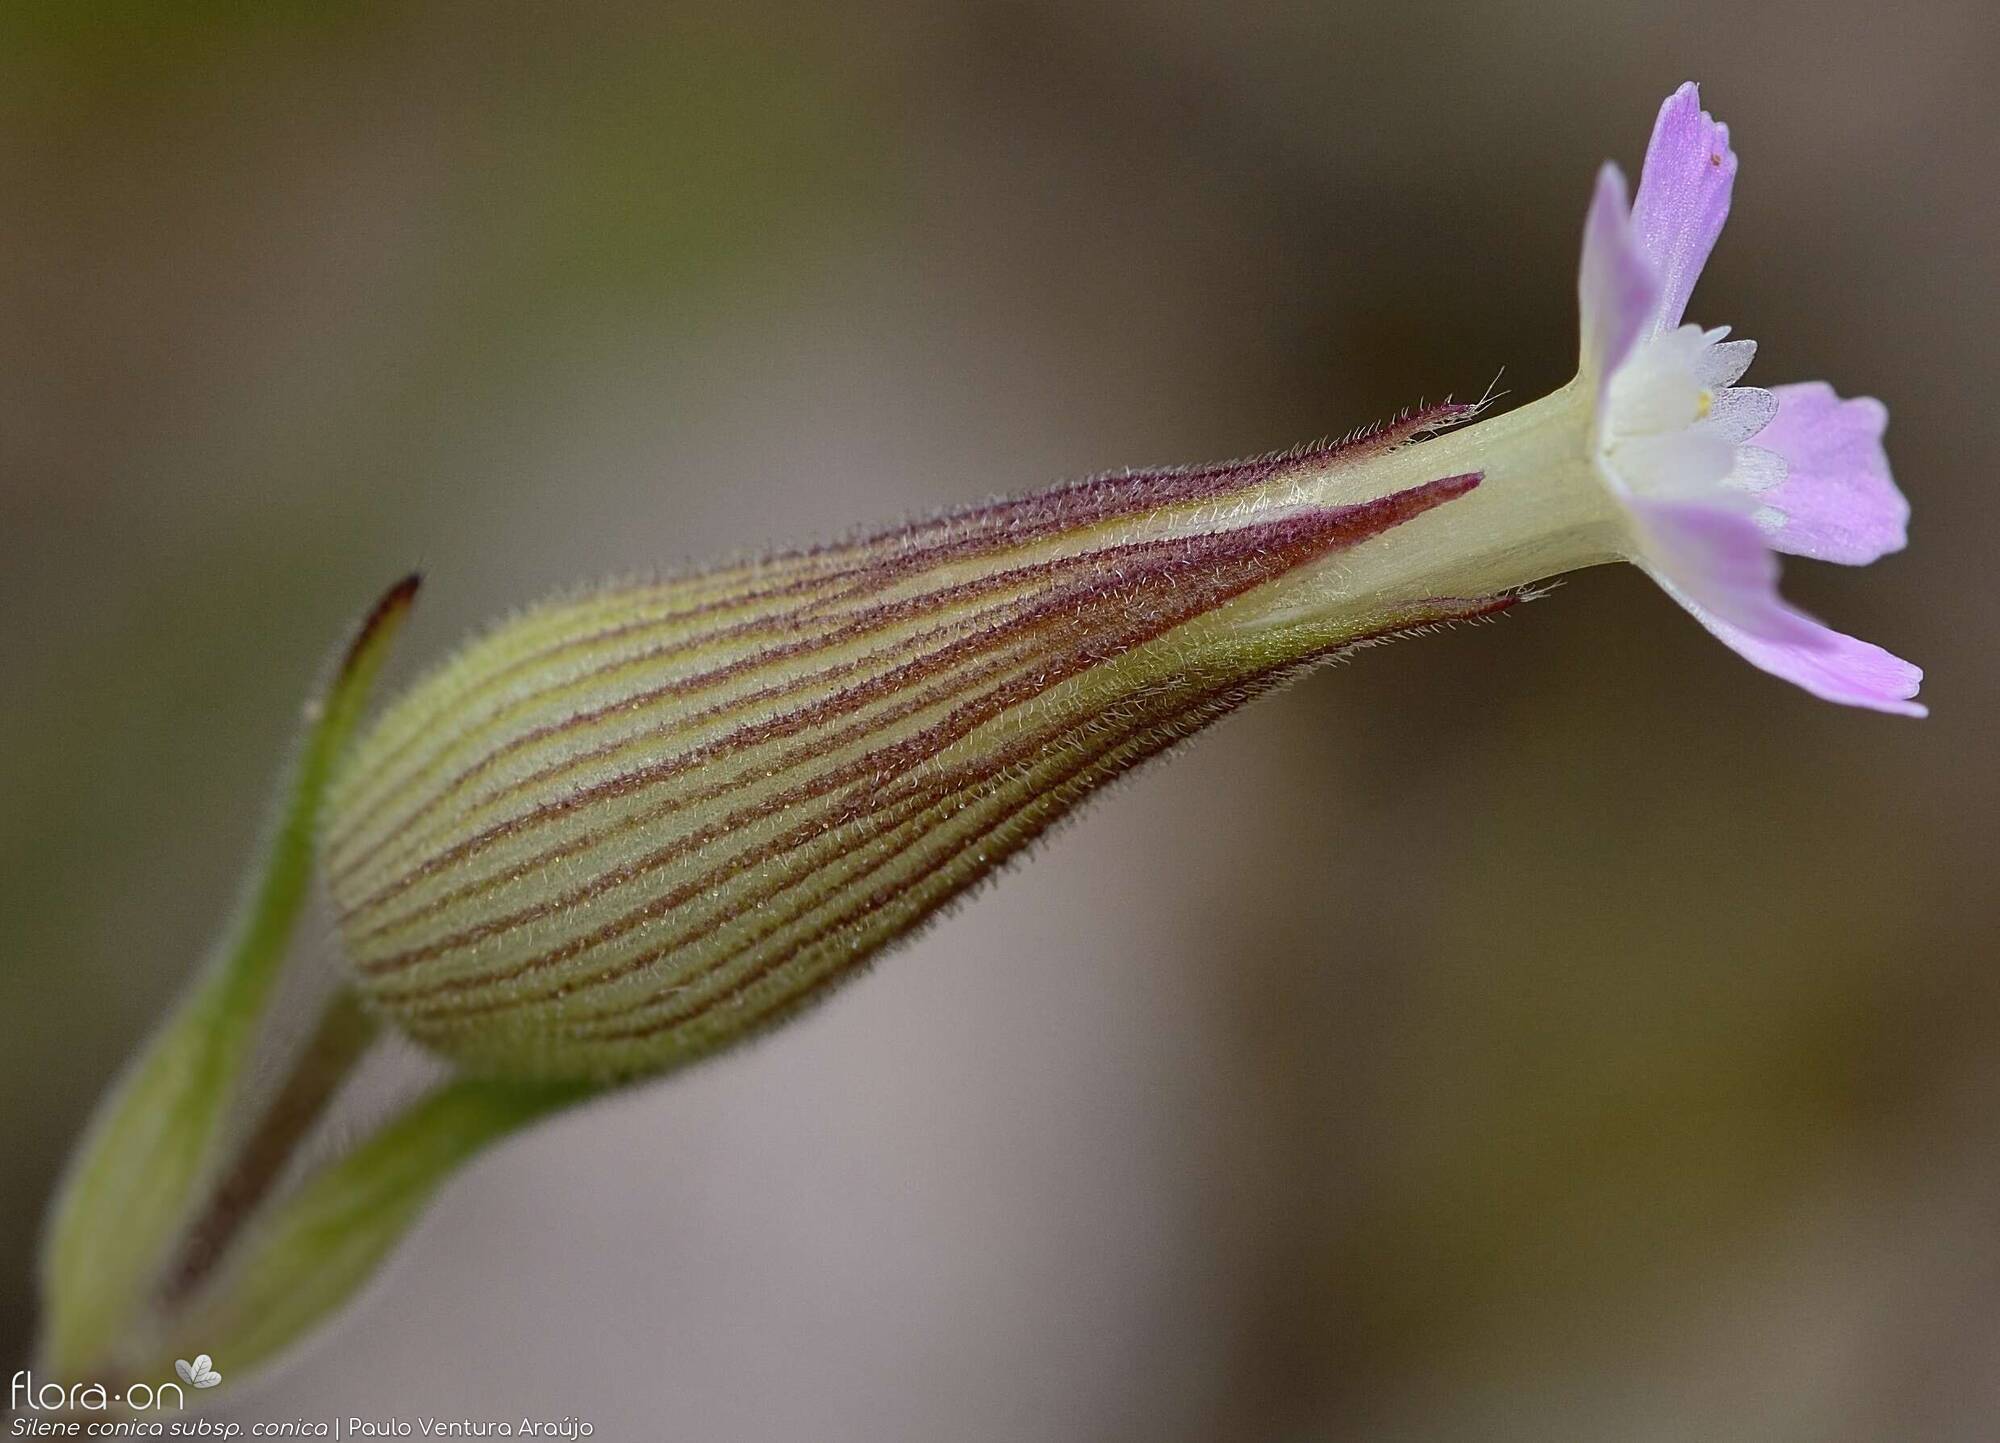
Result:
154,1140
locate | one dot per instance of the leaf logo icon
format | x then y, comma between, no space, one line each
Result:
200,1373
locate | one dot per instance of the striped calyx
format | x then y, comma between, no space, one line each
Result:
625,829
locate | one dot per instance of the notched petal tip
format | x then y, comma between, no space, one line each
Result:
1838,501
1834,667
1713,563
1683,196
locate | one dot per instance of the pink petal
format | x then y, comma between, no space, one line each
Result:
1838,501
1683,197
1714,563
1833,666
1717,562
1615,287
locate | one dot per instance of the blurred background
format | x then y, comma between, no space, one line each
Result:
1555,1028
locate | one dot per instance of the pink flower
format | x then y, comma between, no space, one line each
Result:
1713,477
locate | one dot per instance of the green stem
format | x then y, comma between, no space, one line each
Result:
342,1036
298,1262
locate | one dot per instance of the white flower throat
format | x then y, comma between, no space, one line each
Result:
1675,425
